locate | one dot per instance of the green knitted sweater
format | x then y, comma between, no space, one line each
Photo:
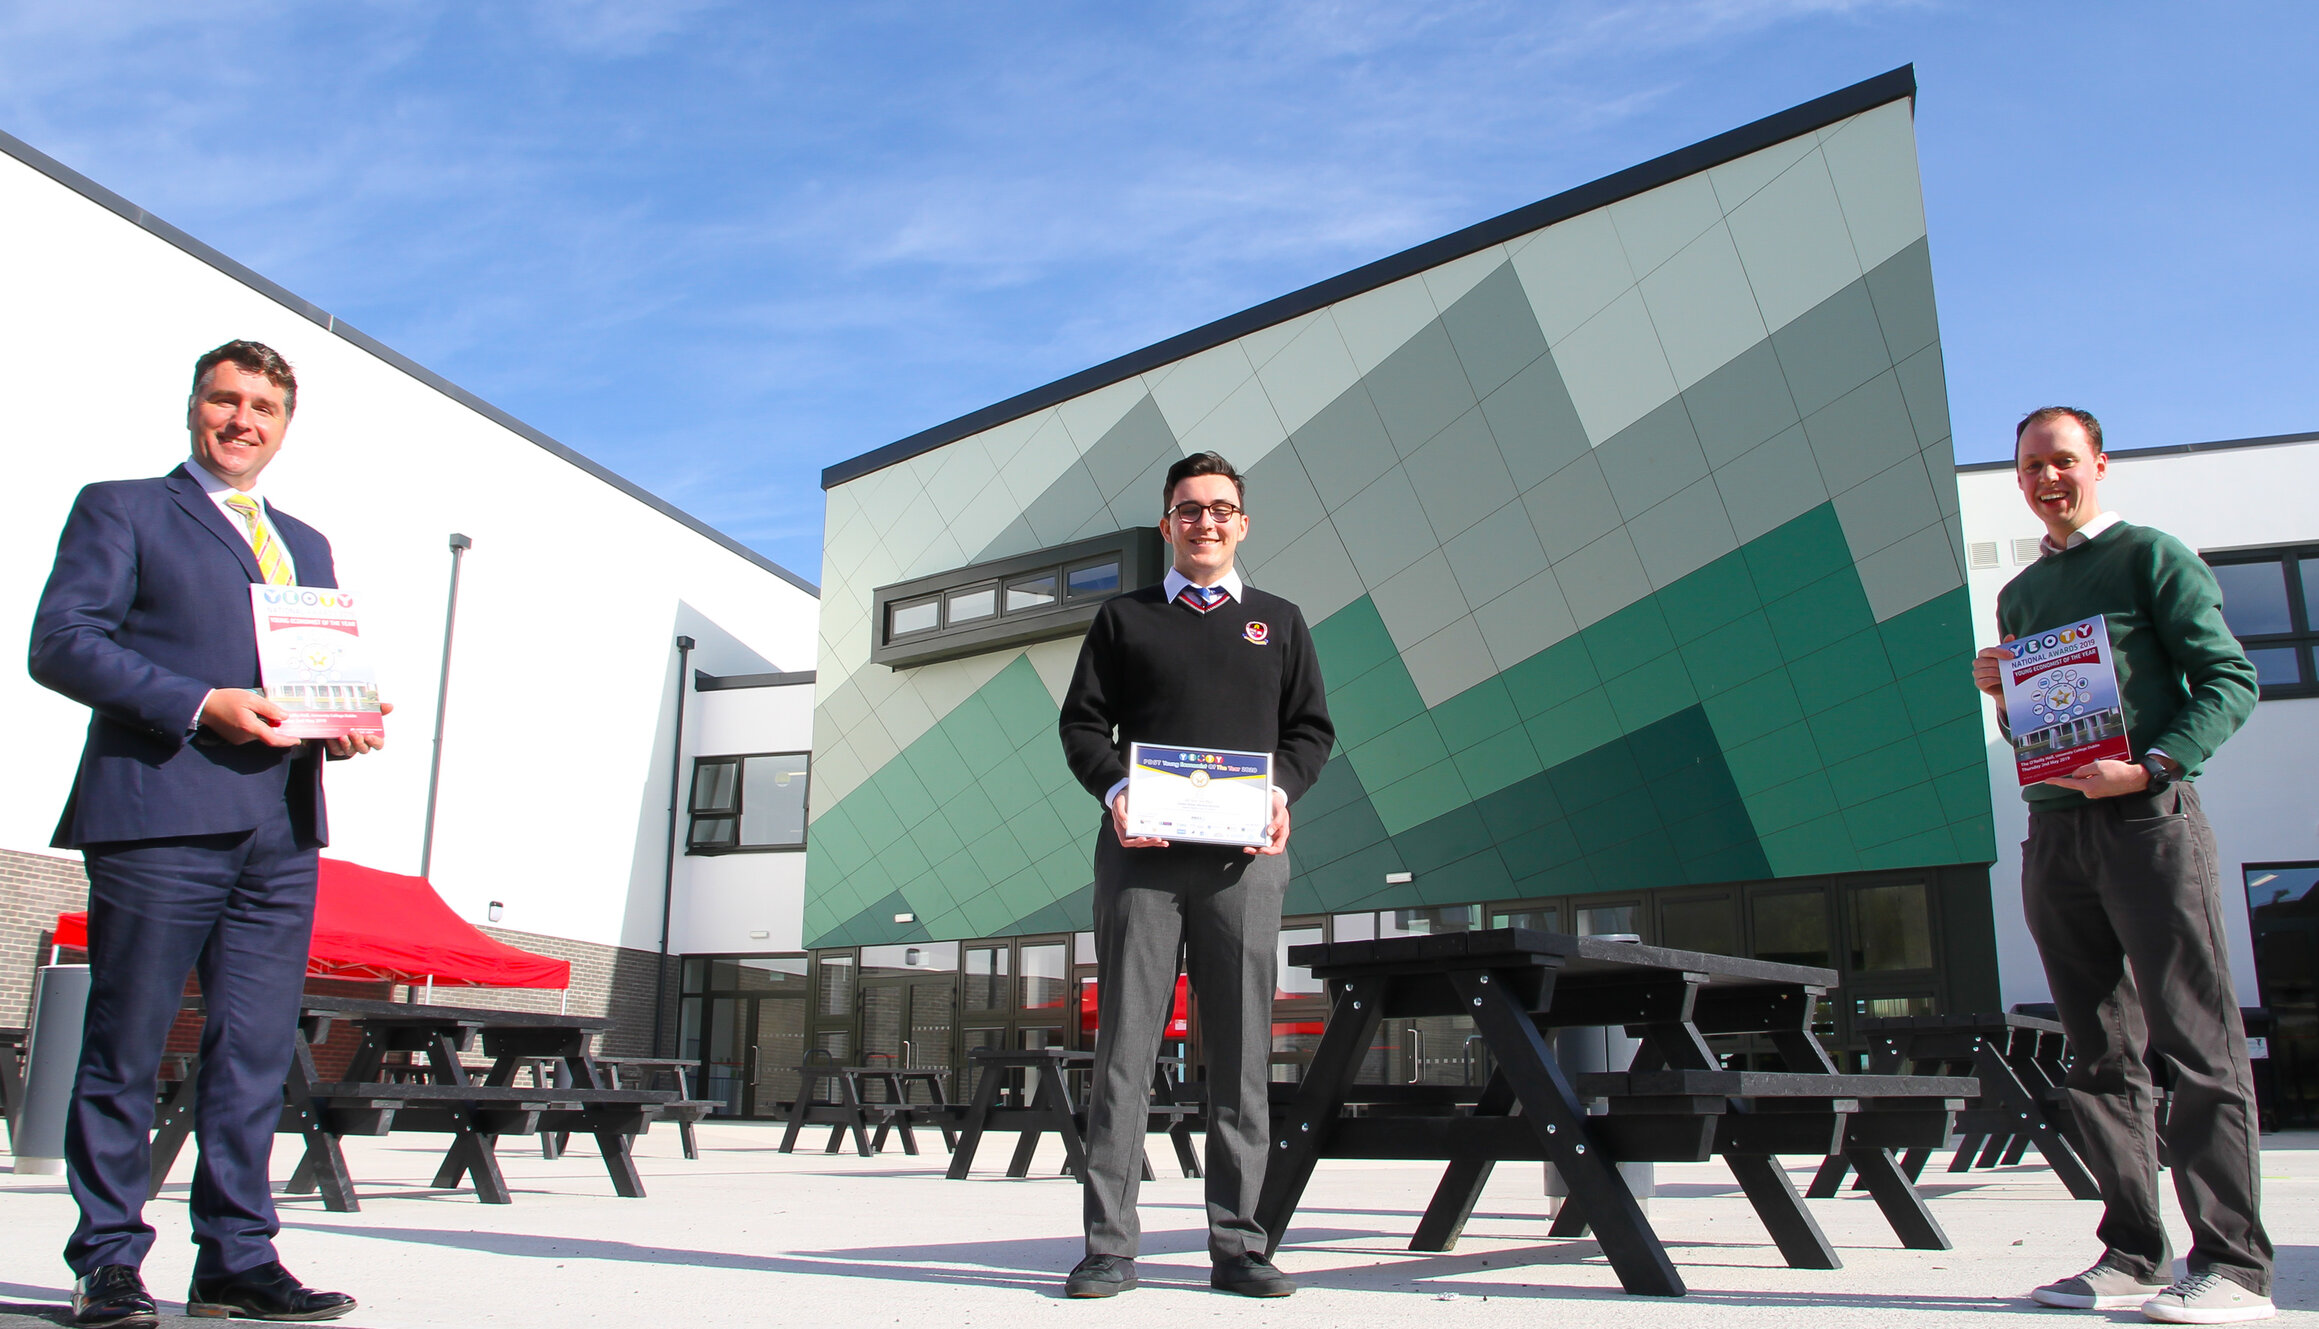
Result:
2185,683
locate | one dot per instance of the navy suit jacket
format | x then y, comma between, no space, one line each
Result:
146,610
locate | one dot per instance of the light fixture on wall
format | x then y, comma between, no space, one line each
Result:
913,957
494,911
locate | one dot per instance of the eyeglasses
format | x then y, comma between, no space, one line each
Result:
1188,512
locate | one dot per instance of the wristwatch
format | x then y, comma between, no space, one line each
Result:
2160,777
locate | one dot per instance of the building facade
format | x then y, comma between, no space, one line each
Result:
1627,529
560,751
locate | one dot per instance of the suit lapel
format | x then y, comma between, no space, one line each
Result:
190,496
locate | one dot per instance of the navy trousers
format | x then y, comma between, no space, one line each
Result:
240,908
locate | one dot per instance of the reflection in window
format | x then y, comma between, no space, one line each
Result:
914,616
1894,1008
1709,925
1044,979
1030,593
1298,982
968,605
988,987
749,802
1791,927
1095,578
1353,927
834,985
1427,922
1536,917
1891,928
1611,920
2275,665
2254,597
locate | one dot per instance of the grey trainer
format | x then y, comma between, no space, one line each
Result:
2207,1298
2108,1286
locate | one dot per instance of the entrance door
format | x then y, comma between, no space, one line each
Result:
910,1021
2283,906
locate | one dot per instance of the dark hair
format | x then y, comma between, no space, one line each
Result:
2048,414
253,357
1201,463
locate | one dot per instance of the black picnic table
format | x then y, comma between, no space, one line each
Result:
642,1070
578,1097
1676,1103
1050,1105
2020,1060
865,1096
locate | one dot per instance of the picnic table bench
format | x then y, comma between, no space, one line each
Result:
1051,1106
1675,1103
577,1096
2020,1061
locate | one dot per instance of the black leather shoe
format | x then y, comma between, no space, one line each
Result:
267,1292
1250,1275
112,1296
1100,1276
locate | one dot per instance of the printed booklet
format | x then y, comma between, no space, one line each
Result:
314,662
2061,700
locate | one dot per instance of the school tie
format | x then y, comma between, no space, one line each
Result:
1202,598
271,564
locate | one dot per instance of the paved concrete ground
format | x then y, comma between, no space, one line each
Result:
748,1236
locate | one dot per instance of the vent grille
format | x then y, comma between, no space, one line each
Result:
2025,551
1981,553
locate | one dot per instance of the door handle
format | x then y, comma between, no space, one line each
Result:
756,1064
1416,1054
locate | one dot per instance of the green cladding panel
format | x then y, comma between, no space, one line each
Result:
1629,544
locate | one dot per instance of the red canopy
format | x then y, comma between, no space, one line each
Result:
382,925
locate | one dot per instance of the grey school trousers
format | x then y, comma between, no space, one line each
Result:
1220,910
2124,899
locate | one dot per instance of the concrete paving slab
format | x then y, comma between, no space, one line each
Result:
746,1235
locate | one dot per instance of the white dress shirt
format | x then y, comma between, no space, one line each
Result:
218,491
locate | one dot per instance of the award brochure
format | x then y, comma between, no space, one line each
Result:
314,662
1209,795
2061,700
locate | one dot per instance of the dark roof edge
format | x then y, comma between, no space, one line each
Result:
2169,450
1864,95
324,319
704,681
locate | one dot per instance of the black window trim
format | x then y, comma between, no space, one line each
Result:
739,761
2289,557
1138,552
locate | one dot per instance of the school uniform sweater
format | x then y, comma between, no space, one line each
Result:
1243,676
2183,681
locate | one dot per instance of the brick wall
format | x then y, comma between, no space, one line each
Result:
606,980
34,889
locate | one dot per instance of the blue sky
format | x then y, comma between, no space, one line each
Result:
719,246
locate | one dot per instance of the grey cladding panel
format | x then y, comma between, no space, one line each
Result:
1419,389
1537,428
1741,404
1902,290
1833,348
1459,475
1649,460
1126,451
1344,448
1493,330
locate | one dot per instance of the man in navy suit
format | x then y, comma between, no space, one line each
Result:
200,826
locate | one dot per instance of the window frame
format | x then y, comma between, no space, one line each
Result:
1137,551
2303,634
739,761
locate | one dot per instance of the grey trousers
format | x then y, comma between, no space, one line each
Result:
2124,899
1220,909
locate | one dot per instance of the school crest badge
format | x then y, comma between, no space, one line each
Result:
1257,633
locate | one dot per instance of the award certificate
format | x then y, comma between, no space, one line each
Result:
1209,795
2061,700
314,661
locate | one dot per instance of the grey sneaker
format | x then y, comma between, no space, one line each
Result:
1100,1276
2108,1286
2207,1298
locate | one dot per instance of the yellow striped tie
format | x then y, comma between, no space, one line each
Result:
271,563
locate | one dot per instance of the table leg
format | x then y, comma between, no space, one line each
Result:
324,1165
1791,1225
977,1117
856,1120
1301,1134
171,1124
1829,1179
2003,1087
1461,1184
1552,1109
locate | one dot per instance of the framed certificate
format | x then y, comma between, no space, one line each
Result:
1206,795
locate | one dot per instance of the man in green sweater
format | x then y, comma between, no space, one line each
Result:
2120,885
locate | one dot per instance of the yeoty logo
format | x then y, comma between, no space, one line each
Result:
1257,633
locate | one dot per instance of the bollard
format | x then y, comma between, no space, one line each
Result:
1585,1051
52,1055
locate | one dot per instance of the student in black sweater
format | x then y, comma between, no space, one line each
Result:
1201,660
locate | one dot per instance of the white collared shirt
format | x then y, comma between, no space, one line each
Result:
2105,521
218,491
1175,582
